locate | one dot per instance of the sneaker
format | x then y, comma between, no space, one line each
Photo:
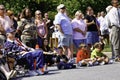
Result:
46,71
79,64
89,65
72,61
62,67
31,73
102,63
74,66
111,62
39,72
96,63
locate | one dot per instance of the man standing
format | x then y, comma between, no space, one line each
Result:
63,23
113,20
103,28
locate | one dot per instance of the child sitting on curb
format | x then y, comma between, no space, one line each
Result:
83,56
62,60
99,56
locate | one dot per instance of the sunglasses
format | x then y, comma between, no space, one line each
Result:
63,8
2,9
38,14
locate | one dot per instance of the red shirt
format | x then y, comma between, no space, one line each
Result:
82,55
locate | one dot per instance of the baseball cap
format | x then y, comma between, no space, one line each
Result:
61,6
37,12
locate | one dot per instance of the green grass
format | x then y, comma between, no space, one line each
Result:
107,48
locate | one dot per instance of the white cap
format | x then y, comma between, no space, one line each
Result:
108,8
37,12
60,6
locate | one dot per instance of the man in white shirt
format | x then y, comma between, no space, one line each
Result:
103,27
113,20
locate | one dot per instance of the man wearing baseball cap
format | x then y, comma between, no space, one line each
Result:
63,24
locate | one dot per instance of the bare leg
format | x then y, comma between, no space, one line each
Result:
70,52
7,74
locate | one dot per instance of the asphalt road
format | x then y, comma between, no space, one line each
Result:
104,72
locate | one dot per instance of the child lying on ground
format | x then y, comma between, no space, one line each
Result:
62,60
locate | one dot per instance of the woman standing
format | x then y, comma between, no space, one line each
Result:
79,29
27,29
41,27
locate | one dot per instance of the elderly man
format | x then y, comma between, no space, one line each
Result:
113,20
25,53
63,23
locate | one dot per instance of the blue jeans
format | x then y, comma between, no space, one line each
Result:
34,55
40,40
27,60
39,57
63,65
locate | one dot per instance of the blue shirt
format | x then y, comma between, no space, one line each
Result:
64,22
12,46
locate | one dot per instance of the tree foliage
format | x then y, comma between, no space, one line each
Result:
50,5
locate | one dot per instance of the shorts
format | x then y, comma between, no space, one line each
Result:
65,40
77,42
92,37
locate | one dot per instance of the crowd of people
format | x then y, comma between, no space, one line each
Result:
86,35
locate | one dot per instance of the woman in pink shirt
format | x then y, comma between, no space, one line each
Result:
41,27
79,29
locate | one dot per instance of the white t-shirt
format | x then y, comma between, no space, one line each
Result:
6,23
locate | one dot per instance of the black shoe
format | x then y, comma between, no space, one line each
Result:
74,66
